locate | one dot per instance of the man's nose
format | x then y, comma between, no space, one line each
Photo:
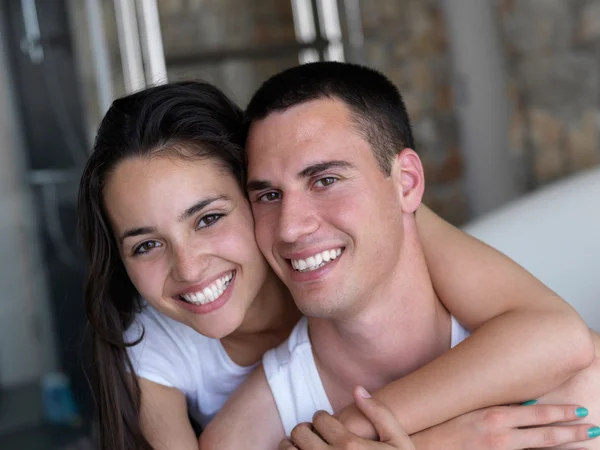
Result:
297,219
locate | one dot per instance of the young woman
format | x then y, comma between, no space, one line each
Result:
182,304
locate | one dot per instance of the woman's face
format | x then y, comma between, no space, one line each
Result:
186,237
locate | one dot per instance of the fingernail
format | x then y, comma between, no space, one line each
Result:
529,402
581,412
363,392
593,432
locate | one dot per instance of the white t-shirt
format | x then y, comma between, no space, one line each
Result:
174,355
294,379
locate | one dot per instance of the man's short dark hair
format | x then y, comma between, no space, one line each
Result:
375,103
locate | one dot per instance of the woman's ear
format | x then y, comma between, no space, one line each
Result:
408,176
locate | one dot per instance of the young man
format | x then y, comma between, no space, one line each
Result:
334,184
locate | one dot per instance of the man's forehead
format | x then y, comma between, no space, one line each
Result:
294,134
301,121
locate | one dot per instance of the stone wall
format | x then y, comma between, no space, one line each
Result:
193,27
552,50
406,40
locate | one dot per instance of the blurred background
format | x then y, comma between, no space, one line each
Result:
503,95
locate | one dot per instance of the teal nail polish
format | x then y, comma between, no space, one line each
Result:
593,432
530,402
581,412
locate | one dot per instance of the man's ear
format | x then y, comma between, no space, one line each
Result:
408,176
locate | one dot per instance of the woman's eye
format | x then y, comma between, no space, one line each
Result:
145,247
269,197
209,220
326,181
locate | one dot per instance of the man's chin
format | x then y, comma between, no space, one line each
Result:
317,306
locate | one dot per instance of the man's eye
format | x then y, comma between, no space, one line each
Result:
326,181
269,197
145,247
208,220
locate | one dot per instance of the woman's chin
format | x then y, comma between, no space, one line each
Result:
216,330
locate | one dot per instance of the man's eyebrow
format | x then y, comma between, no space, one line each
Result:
199,206
309,171
317,168
257,185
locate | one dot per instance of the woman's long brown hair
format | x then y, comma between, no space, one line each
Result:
193,119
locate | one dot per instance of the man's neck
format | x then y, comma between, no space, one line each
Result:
401,327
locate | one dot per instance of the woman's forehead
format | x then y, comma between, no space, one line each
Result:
138,184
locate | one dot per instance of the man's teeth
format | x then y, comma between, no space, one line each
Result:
316,261
210,293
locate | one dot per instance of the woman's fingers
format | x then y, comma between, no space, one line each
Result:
286,444
329,428
327,432
304,437
551,436
536,415
388,428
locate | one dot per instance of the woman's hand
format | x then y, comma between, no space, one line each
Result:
508,428
327,432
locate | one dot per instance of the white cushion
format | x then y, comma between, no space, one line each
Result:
555,234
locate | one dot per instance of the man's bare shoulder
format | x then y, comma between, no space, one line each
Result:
249,419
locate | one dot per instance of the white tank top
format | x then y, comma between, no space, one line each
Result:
294,380
174,355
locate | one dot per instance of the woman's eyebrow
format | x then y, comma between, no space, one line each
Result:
199,206
189,212
136,232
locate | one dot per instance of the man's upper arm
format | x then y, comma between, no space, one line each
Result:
164,417
248,420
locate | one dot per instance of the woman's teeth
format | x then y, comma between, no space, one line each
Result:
316,261
210,293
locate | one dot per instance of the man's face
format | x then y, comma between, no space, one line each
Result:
327,219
